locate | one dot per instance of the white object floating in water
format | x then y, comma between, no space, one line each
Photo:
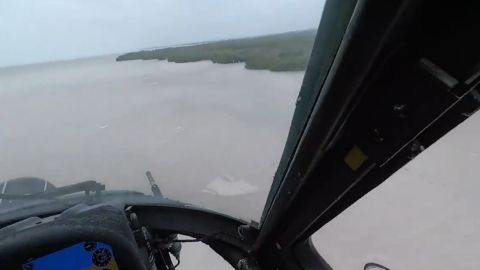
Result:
227,185
104,126
179,129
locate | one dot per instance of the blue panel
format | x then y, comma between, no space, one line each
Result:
81,256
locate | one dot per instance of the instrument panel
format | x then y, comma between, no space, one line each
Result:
81,256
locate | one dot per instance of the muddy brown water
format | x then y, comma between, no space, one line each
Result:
211,134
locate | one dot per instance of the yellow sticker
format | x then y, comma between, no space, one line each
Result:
355,158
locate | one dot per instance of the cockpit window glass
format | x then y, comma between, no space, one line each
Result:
423,217
199,93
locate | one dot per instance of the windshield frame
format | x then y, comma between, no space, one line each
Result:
335,19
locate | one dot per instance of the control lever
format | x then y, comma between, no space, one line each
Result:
155,189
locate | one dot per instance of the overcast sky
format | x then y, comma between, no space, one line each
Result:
37,31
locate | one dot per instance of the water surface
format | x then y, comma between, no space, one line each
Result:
211,134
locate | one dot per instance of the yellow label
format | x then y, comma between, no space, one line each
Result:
355,158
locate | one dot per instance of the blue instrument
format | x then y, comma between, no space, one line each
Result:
81,256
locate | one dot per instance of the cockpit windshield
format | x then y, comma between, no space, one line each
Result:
199,93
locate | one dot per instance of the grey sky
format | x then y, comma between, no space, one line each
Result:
37,31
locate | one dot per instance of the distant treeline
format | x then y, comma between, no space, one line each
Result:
280,52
